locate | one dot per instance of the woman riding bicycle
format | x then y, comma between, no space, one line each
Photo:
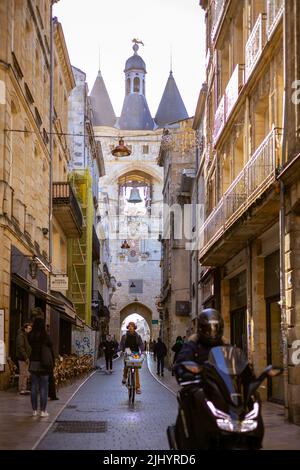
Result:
134,342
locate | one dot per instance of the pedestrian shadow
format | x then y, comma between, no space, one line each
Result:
136,407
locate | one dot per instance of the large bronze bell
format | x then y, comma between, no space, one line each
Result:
134,197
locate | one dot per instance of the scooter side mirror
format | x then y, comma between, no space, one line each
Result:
269,371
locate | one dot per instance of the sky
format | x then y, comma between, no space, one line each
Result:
162,25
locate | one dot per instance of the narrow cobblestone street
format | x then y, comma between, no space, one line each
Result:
103,399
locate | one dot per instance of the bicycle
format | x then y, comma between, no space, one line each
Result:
132,362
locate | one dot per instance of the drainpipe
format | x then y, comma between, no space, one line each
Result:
51,135
284,325
249,316
197,251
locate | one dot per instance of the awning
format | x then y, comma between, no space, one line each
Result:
64,306
69,309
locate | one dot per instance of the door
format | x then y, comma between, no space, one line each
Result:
238,328
274,349
18,316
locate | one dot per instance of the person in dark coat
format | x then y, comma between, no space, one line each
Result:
109,347
23,351
51,386
41,345
176,349
153,349
161,352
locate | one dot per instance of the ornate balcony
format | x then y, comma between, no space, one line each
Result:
218,7
213,225
233,89
219,119
67,210
254,46
256,177
274,13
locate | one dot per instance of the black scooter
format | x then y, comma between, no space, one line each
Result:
219,406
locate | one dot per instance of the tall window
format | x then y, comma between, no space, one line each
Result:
128,86
136,85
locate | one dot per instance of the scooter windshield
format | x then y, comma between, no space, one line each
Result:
228,359
230,363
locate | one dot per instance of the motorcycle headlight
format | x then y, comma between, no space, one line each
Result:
248,425
225,424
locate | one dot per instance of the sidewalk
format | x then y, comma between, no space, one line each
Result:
19,430
279,434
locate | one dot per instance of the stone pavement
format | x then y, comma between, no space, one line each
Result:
105,421
102,398
279,434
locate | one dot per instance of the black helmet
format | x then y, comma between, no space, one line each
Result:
210,327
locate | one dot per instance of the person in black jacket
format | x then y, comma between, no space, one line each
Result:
40,365
209,335
161,352
176,348
109,347
23,353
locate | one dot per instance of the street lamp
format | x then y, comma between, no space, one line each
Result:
33,268
125,245
121,150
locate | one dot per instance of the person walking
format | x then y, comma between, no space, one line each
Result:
41,362
51,385
23,351
109,347
161,352
176,348
154,348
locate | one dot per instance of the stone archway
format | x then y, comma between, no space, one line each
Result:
140,309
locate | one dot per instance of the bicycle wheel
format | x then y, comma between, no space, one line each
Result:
132,373
129,384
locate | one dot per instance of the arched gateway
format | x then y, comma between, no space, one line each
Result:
140,309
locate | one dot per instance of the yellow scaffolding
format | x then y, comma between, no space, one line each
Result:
80,249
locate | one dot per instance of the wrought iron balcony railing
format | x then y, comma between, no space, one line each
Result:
274,13
67,209
252,181
254,45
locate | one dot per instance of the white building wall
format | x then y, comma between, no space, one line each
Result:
147,268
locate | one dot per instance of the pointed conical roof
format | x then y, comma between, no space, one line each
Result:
103,112
135,113
171,107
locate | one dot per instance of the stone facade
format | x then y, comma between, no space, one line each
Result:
145,265
24,154
87,154
290,211
251,223
177,157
